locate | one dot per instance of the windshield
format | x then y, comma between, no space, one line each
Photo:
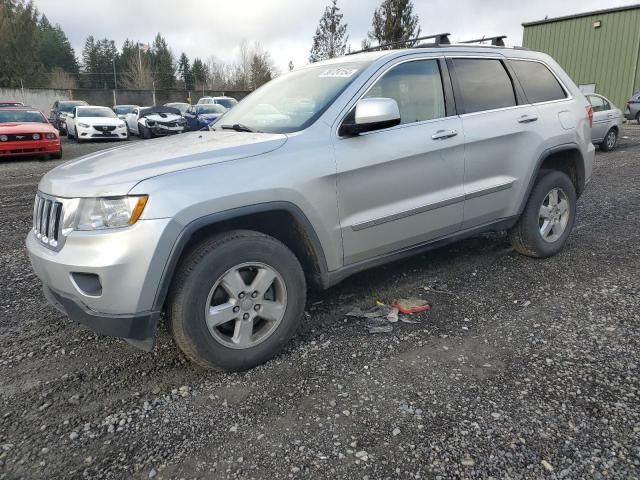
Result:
226,102
96,112
183,107
123,109
12,116
210,109
293,101
68,106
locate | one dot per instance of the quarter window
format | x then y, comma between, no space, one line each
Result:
538,82
416,86
483,84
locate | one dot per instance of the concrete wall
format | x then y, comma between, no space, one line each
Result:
43,98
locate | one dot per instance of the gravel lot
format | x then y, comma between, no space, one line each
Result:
524,368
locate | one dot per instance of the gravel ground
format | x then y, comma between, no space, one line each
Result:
523,369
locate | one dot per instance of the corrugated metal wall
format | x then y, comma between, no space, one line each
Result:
608,56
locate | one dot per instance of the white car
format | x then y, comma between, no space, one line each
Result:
226,102
149,122
95,123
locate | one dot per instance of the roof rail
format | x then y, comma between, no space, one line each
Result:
440,39
497,41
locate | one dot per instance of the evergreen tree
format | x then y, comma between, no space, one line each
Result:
260,68
394,21
184,72
199,73
19,40
162,61
330,39
54,49
291,67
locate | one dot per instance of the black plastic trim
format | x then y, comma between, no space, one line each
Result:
139,327
337,276
186,234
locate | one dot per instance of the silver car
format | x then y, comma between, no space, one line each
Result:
607,122
632,112
357,161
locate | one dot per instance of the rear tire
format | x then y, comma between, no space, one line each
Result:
236,300
547,219
638,118
610,140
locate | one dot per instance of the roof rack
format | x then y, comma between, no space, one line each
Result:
440,39
497,41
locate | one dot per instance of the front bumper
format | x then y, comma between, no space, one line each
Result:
160,130
123,266
34,147
95,134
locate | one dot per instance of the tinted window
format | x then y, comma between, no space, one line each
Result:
538,82
10,116
417,87
483,84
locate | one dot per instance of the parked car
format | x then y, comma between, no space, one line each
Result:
226,102
607,122
182,106
122,110
11,104
404,151
59,112
632,112
149,122
26,131
203,115
95,123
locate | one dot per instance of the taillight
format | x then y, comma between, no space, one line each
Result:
589,109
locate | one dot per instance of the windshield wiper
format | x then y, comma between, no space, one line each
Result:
238,127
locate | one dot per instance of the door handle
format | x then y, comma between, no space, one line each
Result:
444,134
527,118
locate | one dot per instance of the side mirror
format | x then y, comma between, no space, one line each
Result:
371,114
71,115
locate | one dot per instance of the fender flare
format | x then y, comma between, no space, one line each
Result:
189,230
546,154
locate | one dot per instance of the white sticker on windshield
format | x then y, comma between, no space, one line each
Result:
338,72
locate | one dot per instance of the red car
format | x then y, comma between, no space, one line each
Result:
26,131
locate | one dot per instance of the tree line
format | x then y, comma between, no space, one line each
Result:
35,53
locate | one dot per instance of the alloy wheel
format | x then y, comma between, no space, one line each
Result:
554,215
245,305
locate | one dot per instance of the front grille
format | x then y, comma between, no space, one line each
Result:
22,137
47,214
104,128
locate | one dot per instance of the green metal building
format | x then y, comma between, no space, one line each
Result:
600,50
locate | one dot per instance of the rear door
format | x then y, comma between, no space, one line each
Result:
602,117
501,134
403,185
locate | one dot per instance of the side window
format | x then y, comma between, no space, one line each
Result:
484,84
597,103
538,82
416,86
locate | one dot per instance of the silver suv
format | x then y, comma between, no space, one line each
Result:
328,170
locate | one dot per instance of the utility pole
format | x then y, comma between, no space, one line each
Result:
22,89
154,92
115,81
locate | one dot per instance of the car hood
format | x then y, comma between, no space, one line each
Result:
165,117
25,127
99,120
209,116
116,171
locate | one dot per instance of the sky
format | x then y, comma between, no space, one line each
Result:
205,28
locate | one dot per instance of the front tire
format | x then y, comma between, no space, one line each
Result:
236,300
547,219
610,140
75,134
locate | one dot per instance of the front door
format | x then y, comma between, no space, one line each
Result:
402,186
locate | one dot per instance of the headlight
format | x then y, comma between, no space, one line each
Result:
121,125
103,213
50,136
3,138
83,125
36,136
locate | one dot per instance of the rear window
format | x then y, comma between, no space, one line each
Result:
538,82
483,84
